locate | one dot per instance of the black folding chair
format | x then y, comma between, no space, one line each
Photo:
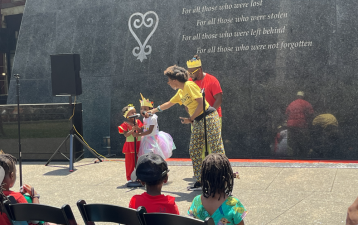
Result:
39,212
109,213
172,219
12,200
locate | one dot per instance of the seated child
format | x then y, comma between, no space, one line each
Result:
215,200
2,196
7,163
152,171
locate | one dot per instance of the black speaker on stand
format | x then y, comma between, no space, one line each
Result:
65,75
66,81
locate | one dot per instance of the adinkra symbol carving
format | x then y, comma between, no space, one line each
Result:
143,50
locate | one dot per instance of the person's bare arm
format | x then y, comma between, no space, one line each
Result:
138,129
352,214
128,133
197,112
186,109
151,127
163,106
27,189
241,223
218,100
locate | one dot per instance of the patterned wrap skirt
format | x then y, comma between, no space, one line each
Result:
197,140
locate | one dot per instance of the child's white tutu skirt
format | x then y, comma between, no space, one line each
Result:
161,144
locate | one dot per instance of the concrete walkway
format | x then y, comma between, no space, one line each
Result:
273,193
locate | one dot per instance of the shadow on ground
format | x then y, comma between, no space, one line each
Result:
59,172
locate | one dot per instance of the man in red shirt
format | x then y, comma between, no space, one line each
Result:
299,116
211,85
213,92
152,171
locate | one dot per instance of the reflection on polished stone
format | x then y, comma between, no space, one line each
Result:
43,128
261,52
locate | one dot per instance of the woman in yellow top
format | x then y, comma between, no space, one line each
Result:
190,96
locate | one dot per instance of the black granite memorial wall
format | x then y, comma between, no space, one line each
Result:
262,52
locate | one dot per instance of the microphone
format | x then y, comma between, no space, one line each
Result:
144,112
134,116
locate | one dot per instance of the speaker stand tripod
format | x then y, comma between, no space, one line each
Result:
71,136
17,76
205,133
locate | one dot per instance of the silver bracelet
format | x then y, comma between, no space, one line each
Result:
36,196
159,109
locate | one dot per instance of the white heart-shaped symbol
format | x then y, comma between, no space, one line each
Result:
140,52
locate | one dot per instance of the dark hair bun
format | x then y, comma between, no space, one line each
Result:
197,57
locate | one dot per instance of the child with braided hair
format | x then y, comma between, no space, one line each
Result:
217,181
8,164
2,196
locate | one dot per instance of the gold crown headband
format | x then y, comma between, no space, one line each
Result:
145,102
130,107
193,63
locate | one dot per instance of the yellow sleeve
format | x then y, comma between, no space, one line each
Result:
177,98
193,90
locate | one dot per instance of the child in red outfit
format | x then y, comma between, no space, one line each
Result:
152,171
127,129
7,167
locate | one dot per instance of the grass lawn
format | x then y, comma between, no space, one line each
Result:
37,129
